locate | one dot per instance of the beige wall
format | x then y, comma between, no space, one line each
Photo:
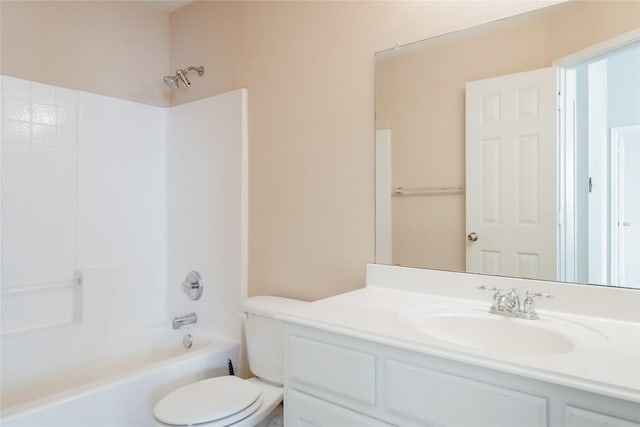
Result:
428,81
119,49
309,68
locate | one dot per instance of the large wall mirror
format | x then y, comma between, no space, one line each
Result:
513,148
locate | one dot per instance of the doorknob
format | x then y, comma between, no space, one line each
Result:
472,237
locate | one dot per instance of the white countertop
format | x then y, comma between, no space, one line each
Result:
608,365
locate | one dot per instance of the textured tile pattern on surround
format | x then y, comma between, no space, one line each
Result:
39,188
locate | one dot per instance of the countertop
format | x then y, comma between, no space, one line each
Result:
608,363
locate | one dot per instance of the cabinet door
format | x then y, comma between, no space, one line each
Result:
439,398
576,417
339,371
301,410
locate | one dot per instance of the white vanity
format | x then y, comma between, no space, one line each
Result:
419,347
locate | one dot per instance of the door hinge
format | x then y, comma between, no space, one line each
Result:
590,185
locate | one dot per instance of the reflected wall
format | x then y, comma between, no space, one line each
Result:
420,97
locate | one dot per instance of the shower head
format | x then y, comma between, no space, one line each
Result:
173,82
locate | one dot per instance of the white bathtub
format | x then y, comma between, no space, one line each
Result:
128,375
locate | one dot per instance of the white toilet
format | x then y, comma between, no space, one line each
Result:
230,400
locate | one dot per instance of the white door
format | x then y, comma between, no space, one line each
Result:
625,206
511,174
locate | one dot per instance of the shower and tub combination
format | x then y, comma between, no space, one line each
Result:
100,243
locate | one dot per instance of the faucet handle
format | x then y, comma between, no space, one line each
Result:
531,294
193,285
488,288
528,306
495,302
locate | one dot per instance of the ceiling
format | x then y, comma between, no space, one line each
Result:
168,5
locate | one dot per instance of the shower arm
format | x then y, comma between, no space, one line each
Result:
199,70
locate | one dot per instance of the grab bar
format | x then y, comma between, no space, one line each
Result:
39,287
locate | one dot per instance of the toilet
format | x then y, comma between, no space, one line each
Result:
230,400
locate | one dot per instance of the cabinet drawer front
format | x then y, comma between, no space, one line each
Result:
439,398
576,417
302,410
341,371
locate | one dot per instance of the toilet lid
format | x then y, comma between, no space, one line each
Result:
208,400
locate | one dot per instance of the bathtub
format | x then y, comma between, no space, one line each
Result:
126,377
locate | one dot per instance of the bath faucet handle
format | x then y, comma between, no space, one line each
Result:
193,286
488,288
538,294
529,307
496,296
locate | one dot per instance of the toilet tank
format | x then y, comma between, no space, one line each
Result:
264,336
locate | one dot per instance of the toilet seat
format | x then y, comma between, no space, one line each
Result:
216,401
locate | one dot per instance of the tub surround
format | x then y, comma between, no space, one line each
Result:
606,344
98,256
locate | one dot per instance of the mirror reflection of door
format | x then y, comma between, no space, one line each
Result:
511,139
591,230
625,205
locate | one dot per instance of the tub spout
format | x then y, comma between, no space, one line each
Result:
187,319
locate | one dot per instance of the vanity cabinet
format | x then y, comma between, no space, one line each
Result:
304,410
337,380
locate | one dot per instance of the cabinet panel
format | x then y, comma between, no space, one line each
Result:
576,417
302,410
439,398
378,383
347,373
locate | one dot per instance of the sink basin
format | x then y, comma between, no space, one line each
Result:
476,328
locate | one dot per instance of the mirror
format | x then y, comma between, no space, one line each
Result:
424,183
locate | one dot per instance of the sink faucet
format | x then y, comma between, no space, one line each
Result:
509,304
187,319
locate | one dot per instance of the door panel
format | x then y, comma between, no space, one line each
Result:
511,174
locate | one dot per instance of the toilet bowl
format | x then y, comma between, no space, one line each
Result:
230,400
